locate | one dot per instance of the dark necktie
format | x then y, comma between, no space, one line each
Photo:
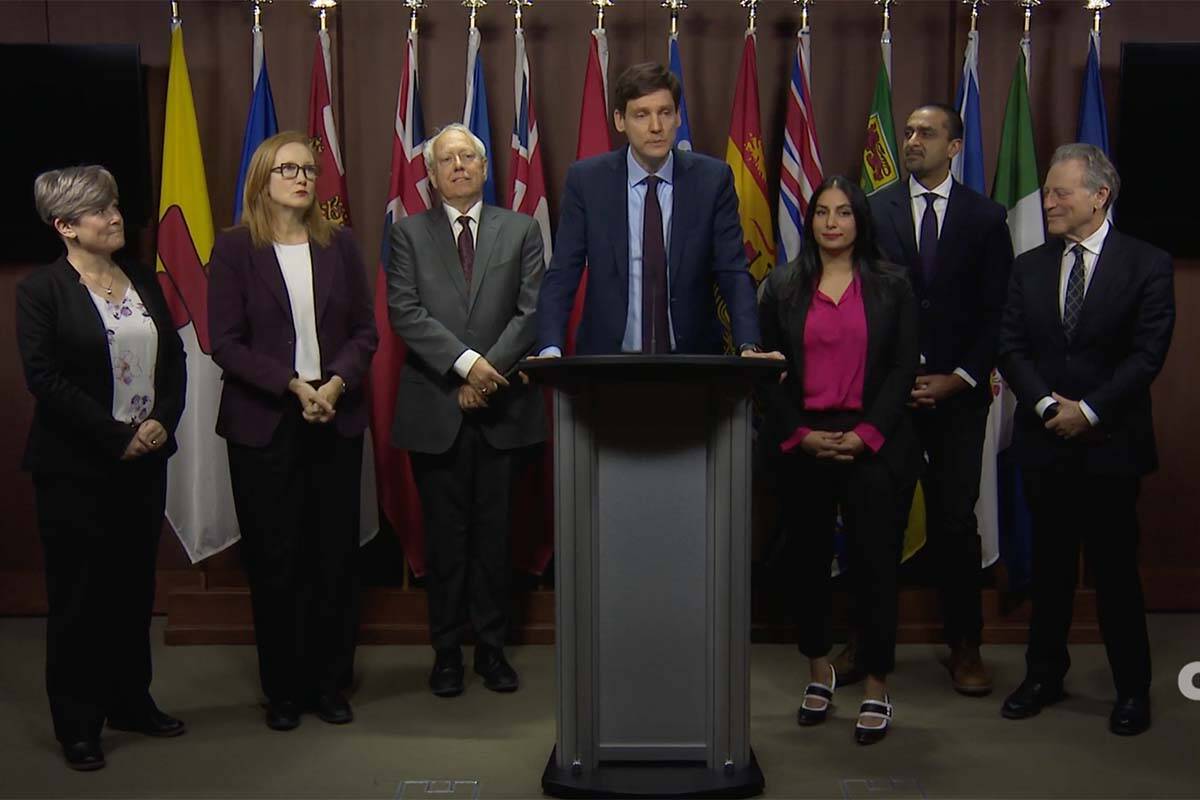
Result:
466,248
1073,303
929,239
656,336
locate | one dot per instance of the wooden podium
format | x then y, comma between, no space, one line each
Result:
652,574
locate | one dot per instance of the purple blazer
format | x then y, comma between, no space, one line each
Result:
254,338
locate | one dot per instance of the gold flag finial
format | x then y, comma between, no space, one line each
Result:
600,6
518,7
804,4
752,7
474,5
675,7
257,7
974,4
175,12
1097,7
887,13
323,8
413,7
1027,7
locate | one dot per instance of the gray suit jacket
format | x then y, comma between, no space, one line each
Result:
431,308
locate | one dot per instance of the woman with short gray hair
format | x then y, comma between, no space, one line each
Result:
106,367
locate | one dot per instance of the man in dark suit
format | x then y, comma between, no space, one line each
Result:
652,254
462,283
1086,329
956,246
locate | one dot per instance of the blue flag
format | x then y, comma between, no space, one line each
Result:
475,114
260,124
683,136
1093,117
967,166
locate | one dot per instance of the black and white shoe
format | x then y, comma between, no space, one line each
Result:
873,709
818,698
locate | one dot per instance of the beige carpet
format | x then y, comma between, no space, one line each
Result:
408,744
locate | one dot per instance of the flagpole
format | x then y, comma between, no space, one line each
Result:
752,7
175,18
474,5
1097,7
518,5
600,6
804,4
323,7
974,4
675,7
885,38
413,7
1028,6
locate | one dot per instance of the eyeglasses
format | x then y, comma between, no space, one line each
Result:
468,158
289,170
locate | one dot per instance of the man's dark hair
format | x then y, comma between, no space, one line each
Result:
954,122
641,80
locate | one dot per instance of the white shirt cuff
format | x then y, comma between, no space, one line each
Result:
1042,405
966,376
1087,412
462,366
551,351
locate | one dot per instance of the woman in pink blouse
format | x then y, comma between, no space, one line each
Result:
837,422
104,362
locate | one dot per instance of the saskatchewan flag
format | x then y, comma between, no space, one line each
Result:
879,155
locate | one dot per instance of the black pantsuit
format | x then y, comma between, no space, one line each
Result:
100,539
466,500
297,503
874,505
952,437
1071,508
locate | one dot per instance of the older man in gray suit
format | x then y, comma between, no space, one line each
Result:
463,281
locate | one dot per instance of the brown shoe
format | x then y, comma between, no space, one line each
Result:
843,665
968,673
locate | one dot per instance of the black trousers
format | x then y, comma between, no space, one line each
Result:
466,497
297,502
952,437
874,509
100,539
1071,508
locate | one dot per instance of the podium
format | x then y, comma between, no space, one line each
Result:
652,574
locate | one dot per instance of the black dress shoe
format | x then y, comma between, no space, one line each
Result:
84,756
334,708
1030,698
498,675
283,715
446,678
152,723
1130,716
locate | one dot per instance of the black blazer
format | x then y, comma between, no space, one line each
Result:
68,369
892,358
1119,346
959,312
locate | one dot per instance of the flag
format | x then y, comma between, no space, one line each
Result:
593,141
408,193
967,166
1016,188
199,497
683,134
527,192
475,113
744,154
879,154
800,172
1093,116
260,123
331,185
333,200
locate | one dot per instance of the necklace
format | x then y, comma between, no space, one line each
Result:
112,278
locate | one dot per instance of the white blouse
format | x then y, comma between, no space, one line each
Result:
133,349
295,262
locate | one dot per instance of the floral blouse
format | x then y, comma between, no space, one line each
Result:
133,347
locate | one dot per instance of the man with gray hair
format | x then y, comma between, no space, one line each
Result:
463,281
1085,331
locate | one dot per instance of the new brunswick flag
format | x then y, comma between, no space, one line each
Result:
879,153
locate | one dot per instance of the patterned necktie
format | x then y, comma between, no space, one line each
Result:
929,239
1073,303
466,248
656,336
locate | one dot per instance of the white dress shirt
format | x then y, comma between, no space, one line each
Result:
463,364
295,262
1092,246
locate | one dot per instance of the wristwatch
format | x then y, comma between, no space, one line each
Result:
1050,412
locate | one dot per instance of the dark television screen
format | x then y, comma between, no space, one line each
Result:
68,105
1156,145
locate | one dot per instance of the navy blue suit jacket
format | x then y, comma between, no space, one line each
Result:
706,246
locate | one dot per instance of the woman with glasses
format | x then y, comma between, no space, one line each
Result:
292,327
106,367
843,439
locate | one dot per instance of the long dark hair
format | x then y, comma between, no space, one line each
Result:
807,270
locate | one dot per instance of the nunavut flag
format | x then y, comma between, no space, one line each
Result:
744,154
199,498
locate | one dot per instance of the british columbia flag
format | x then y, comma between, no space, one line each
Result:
800,172
528,191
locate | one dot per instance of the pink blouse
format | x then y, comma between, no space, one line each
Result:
835,361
